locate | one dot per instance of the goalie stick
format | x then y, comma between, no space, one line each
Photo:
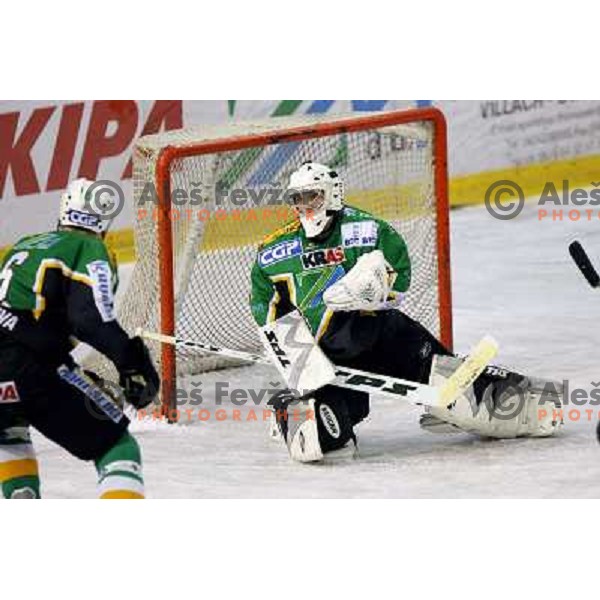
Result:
583,262
416,393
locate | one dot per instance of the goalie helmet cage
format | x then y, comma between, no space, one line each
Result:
192,275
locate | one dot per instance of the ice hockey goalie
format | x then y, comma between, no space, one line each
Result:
346,271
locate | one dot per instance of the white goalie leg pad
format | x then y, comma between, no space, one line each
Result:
303,436
433,424
293,350
527,409
545,410
274,433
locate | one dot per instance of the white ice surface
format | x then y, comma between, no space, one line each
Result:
513,279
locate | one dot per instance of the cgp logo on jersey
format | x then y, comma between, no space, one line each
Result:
8,392
101,275
360,233
279,252
323,258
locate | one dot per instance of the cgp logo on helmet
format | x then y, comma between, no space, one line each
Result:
83,219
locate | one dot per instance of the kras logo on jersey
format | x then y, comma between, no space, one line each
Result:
323,258
360,233
279,252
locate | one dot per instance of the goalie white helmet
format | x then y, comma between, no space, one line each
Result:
316,192
83,207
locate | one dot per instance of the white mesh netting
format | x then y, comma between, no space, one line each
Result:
387,171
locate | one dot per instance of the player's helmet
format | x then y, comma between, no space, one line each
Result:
83,208
316,192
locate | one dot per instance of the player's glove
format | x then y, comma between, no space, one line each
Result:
365,287
138,377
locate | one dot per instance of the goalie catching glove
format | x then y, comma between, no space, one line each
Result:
137,376
365,287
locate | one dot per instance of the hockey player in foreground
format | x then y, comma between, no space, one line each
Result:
343,272
55,288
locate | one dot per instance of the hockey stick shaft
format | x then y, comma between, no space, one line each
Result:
475,363
583,262
208,348
350,378
416,393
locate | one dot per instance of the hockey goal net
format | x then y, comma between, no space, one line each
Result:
219,193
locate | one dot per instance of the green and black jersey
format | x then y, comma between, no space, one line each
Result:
57,286
292,271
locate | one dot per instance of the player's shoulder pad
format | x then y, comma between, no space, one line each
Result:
359,229
288,228
352,213
93,244
86,249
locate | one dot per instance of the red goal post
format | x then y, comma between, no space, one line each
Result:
174,150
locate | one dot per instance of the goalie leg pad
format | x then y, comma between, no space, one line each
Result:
295,353
433,424
296,421
313,427
501,404
333,424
